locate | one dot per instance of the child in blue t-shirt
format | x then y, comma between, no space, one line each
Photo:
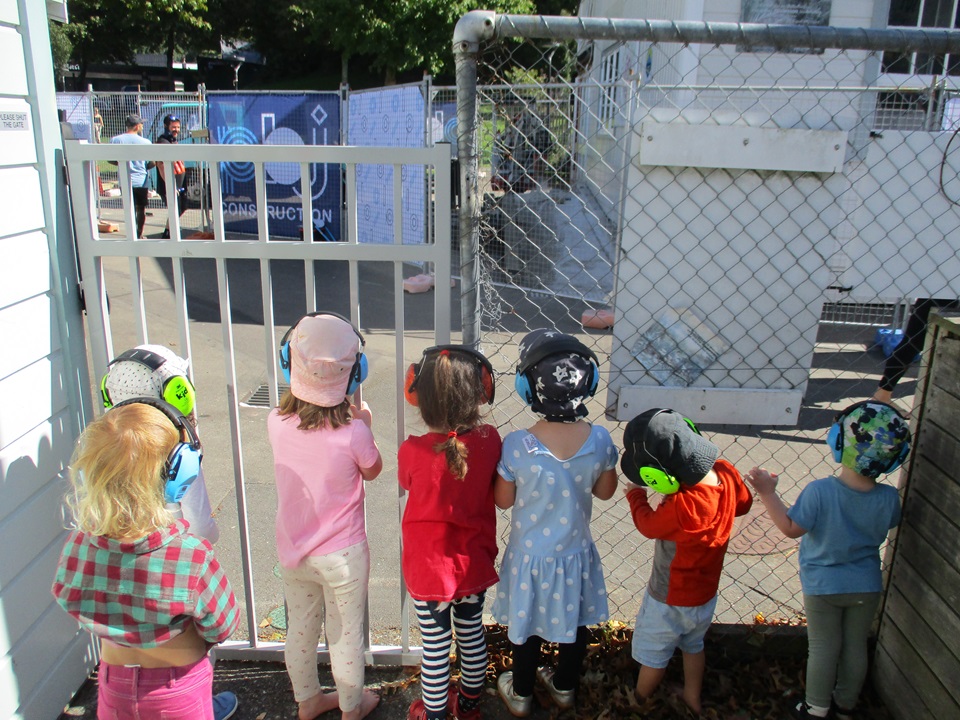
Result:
843,519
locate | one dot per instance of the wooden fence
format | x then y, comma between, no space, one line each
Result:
917,659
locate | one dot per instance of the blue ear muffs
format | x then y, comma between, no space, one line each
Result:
657,478
562,343
835,439
358,373
521,383
183,462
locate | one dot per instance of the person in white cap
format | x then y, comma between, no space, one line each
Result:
323,451
155,371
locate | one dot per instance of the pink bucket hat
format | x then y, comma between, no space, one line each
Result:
323,352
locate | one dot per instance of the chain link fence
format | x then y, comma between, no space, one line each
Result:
107,113
727,214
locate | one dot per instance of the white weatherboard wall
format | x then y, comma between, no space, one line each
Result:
44,657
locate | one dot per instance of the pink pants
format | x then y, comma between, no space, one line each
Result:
136,693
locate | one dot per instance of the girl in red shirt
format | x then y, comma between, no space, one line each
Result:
449,524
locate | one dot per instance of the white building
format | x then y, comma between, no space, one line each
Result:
44,657
747,183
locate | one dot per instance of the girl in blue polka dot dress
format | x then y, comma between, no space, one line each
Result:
551,580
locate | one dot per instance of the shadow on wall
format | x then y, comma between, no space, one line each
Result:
49,656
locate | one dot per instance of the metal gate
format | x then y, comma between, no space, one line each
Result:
223,302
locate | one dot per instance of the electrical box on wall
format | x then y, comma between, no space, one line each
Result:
678,144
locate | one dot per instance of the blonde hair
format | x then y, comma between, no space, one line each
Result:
117,472
312,416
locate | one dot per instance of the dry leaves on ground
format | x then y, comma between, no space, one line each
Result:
750,675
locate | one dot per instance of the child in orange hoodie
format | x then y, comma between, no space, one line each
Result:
702,495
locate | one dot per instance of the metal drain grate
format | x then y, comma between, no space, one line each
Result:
849,313
260,398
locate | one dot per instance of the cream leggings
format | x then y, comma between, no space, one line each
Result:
334,585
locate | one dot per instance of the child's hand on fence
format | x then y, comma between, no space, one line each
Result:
629,485
762,480
363,413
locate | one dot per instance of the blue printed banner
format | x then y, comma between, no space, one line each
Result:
389,117
444,126
286,119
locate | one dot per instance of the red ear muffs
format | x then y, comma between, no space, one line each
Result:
410,384
483,367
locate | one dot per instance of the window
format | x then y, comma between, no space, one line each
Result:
785,12
922,14
610,89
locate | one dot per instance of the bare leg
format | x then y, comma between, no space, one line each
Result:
317,705
649,680
694,665
368,701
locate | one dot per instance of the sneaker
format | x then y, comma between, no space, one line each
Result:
801,711
453,707
224,705
564,699
518,705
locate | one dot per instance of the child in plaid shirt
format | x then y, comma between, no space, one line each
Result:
154,594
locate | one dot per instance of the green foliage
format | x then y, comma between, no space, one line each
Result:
391,36
518,75
298,37
60,48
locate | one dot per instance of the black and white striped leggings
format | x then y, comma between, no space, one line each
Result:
435,627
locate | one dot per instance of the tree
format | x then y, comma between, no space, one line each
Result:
60,50
102,31
106,31
396,35
174,25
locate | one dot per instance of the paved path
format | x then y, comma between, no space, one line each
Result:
761,569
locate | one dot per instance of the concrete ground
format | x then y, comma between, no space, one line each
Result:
761,574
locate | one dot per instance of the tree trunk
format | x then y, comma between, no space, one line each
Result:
344,65
390,76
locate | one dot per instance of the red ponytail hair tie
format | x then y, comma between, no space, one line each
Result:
451,434
445,352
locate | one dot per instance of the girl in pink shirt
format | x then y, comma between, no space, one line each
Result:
321,457
449,524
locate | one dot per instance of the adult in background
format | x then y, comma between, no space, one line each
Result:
97,123
171,136
138,168
911,345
